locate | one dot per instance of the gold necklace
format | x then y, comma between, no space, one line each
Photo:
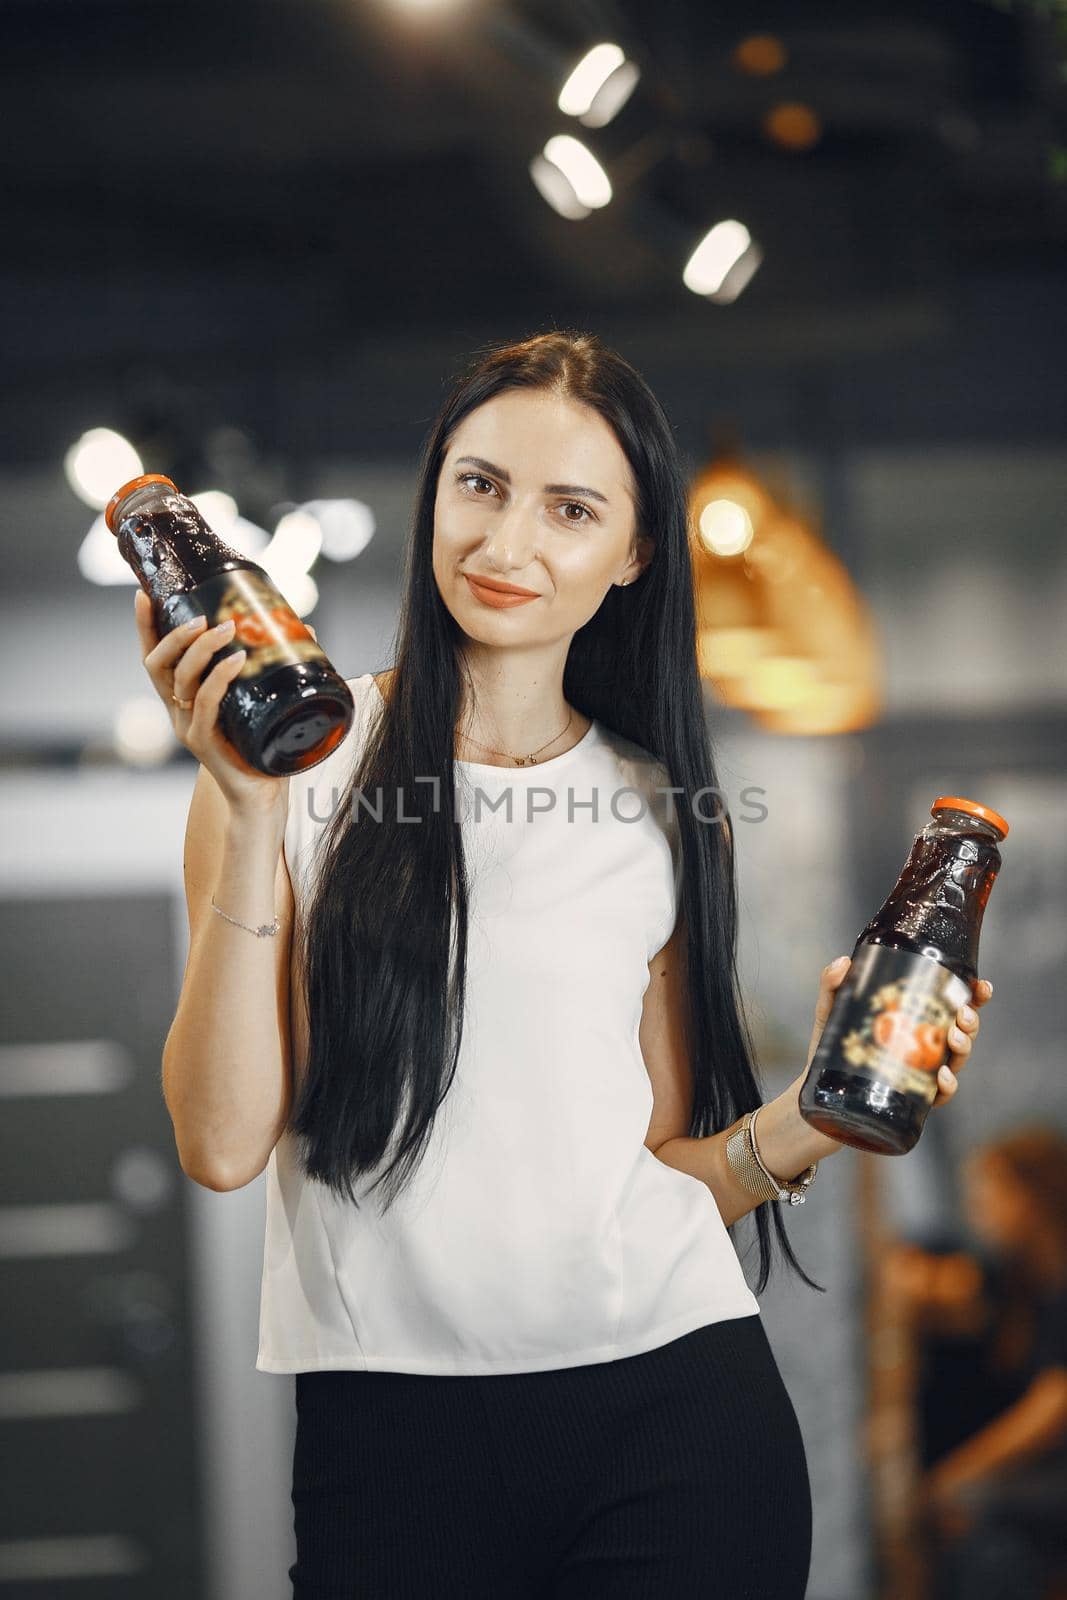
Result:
522,761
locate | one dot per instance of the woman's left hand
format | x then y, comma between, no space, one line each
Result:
961,1037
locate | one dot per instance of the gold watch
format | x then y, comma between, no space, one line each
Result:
744,1158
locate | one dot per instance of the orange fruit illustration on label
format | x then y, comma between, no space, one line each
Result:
249,629
255,628
288,623
918,1045
931,1041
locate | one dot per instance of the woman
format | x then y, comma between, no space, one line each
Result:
998,1499
509,993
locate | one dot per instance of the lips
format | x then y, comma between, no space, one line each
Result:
500,595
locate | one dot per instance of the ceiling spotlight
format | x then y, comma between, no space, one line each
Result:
99,559
217,508
142,733
299,589
296,542
723,262
292,551
760,55
568,175
792,125
725,527
599,86
219,511
347,526
96,462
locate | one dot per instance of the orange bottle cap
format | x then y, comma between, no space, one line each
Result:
128,488
955,802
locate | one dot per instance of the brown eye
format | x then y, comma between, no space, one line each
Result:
465,477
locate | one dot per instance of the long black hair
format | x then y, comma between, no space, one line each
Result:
383,945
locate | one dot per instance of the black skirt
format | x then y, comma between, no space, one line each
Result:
679,1472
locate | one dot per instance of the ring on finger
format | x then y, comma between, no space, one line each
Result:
186,705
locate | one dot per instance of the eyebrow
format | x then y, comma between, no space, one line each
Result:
550,488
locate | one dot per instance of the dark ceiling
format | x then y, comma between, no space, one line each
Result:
259,182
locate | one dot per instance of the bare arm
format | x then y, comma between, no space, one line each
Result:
1026,1429
942,1293
227,1058
226,1061
786,1154
787,1143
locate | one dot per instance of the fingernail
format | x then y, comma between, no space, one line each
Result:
839,963
967,1013
194,622
225,627
238,655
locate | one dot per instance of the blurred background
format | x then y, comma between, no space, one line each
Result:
247,246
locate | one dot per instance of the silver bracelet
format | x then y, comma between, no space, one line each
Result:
794,1190
747,1166
266,930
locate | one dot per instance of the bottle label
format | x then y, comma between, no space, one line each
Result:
890,1019
264,623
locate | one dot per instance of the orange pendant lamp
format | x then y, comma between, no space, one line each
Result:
783,633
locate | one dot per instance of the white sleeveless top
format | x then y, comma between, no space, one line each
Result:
538,1231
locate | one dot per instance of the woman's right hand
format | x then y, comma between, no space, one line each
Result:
174,664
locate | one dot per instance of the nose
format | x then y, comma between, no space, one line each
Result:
512,543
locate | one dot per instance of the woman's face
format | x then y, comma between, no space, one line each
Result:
999,1207
534,490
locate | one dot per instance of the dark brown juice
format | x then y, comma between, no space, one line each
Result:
287,708
873,1076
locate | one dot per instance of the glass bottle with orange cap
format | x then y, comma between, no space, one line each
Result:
873,1076
287,708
